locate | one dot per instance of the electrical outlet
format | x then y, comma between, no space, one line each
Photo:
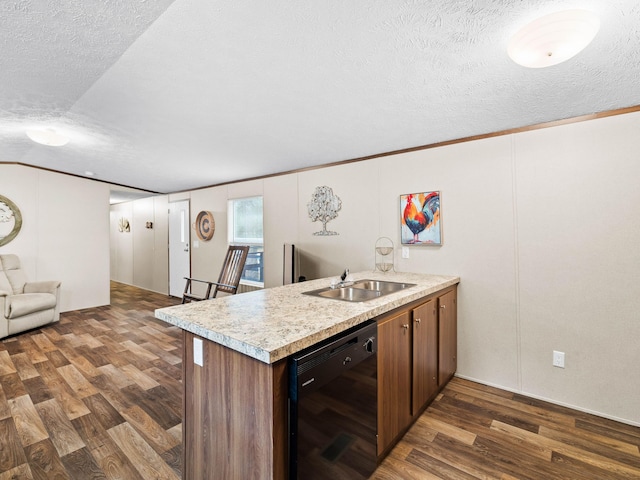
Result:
197,352
558,359
405,252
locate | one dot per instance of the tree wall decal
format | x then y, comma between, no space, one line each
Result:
324,207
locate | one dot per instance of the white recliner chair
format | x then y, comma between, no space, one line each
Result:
25,305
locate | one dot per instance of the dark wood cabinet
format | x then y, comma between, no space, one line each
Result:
448,337
394,377
417,350
425,355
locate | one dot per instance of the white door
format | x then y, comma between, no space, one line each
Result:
179,256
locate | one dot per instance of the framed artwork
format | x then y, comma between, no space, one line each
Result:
123,225
420,222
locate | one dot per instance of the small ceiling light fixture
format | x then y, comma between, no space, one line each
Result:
554,38
47,136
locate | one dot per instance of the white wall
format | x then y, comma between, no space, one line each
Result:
542,227
150,268
207,257
139,257
280,223
122,253
578,201
475,180
65,232
357,226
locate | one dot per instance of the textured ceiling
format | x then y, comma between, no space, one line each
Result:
168,96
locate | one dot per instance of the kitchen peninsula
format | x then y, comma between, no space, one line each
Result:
235,370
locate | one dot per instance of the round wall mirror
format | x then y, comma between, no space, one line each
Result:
10,220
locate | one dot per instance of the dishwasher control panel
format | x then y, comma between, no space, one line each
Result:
316,366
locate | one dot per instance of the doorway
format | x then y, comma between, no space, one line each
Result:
179,251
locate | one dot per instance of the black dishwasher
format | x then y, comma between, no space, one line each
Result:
333,407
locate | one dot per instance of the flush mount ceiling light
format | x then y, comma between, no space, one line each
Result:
47,136
554,38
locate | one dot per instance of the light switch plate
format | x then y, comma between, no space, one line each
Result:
405,252
558,359
197,352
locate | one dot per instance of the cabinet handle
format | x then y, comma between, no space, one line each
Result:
405,326
417,320
443,306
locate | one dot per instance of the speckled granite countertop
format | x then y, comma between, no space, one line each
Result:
273,323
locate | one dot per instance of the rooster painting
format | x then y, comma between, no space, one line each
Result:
421,213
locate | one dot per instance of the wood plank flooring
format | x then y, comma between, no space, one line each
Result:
98,395
472,431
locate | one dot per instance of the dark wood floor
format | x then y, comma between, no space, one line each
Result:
472,431
98,395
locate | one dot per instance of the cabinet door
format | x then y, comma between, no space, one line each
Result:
394,377
425,354
448,341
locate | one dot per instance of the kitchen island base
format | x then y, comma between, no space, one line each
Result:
235,382
234,415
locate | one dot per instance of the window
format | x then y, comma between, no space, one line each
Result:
245,228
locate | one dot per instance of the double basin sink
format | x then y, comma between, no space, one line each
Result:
360,290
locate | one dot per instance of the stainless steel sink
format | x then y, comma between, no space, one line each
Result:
348,294
384,287
360,291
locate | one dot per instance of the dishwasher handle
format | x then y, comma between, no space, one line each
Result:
369,345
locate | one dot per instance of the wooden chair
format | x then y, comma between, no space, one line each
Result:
229,276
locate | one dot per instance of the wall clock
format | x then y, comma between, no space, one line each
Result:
10,220
205,226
